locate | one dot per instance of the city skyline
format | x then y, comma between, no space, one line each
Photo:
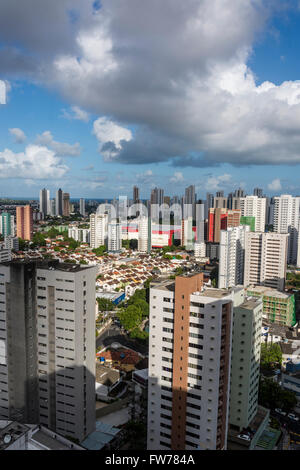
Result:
80,136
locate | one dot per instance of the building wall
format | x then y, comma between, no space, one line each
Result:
188,396
265,259
232,256
245,360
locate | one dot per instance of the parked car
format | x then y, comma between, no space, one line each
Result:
245,437
279,410
293,417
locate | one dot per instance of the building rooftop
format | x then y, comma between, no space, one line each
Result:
250,304
266,291
106,375
215,293
103,434
10,431
49,265
37,437
168,285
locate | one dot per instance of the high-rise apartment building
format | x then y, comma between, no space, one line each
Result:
5,254
220,202
189,365
190,202
245,363
265,259
7,224
258,192
47,345
136,195
232,256
82,207
187,234
143,237
59,202
24,219
11,243
253,206
238,193
98,228
285,219
66,204
45,207
53,207
221,219
114,237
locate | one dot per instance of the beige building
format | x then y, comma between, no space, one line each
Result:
66,204
24,220
265,259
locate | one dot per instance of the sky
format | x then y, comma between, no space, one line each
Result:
96,97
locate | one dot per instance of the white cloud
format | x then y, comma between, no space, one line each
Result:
2,92
76,113
177,177
61,149
137,63
18,134
36,162
144,178
110,136
213,183
275,185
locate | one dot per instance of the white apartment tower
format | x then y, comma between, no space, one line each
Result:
98,228
47,345
254,206
143,227
82,207
232,256
265,259
189,365
285,219
114,237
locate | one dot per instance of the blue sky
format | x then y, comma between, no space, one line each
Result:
147,131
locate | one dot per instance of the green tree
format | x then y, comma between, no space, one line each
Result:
23,244
105,305
271,356
100,250
271,395
38,239
130,317
126,244
53,233
136,333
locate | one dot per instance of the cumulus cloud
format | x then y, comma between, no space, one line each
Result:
275,185
176,71
111,137
36,162
213,183
76,113
60,148
177,177
2,92
144,178
18,134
